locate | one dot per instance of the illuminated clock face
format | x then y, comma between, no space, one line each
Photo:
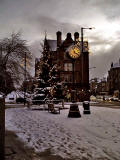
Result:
74,52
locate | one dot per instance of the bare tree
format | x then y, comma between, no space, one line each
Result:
12,53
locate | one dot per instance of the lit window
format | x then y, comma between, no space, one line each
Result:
68,66
67,78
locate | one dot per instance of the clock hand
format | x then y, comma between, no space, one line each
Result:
76,53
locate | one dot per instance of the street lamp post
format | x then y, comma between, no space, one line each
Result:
24,79
82,50
73,75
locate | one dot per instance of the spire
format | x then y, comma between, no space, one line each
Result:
46,45
45,34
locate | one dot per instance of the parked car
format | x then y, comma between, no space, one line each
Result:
38,99
115,99
108,98
20,100
92,98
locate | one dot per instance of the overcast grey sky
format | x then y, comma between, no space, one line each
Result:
33,17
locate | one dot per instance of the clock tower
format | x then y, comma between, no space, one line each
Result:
74,65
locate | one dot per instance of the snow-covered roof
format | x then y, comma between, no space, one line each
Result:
38,89
36,95
52,44
116,65
1,96
37,60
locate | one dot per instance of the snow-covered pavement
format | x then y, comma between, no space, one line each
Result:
91,137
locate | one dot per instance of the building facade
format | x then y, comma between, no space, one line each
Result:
73,64
114,79
102,88
93,86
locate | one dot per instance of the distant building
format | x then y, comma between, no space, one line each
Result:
74,68
114,79
102,87
93,86
99,87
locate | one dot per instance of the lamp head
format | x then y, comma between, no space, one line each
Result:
88,28
92,28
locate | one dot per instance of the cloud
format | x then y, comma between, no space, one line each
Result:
35,48
43,23
33,17
102,61
110,8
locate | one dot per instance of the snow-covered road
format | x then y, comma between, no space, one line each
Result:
91,137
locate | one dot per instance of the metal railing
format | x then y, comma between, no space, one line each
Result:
43,103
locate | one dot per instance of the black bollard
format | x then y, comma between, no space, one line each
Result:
86,107
74,111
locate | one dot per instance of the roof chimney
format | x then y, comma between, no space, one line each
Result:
68,35
111,64
59,40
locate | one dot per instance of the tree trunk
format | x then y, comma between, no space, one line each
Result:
2,128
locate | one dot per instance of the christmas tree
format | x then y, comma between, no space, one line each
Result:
49,76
